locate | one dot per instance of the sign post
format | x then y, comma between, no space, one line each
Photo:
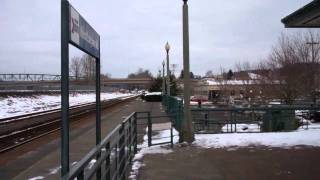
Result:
76,31
64,87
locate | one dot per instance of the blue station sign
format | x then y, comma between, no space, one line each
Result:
82,35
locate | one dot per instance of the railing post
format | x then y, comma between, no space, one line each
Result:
135,133
149,130
171,136
180,115
269,120
121,150
231,121
235,121
130,139
117,160
80,176
206,121
108,161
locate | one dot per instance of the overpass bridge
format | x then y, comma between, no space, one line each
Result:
52,82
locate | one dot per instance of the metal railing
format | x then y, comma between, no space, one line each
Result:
112,156
174,108
263,119
230,120
147,120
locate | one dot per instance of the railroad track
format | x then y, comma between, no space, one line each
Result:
19,130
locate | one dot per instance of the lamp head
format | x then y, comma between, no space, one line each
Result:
167,47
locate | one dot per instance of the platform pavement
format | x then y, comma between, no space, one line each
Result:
243,163
44,161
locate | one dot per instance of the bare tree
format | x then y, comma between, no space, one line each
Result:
88,67
75,67
105,76
223,83
83,67
141,73
243,70
294,66
209,74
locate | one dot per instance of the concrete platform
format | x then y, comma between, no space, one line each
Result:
248,163
41,158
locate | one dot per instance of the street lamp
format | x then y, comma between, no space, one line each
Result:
187,133
167,47
163,78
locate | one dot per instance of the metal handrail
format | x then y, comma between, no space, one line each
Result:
271,116
126,136
257,108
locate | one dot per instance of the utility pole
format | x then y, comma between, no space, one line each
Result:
312,43
187,133
173,67
167,47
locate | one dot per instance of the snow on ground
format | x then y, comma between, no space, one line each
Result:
36,178
195,103
154,94
300,137
15,106
162,136
51,171
241,128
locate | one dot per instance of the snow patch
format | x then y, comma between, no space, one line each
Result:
15,106
241,128
154,94
36,178
55,170
162,136
300,137
91,163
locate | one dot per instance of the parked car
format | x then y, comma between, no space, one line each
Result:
198,98
153,97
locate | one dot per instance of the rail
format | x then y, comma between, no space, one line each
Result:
17,131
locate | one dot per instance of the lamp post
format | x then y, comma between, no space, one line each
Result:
187,133
163,79
167,47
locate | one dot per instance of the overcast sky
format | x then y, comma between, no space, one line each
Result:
134,32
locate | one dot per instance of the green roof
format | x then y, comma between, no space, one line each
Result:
306,17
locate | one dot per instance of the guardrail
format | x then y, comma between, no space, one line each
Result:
112,156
